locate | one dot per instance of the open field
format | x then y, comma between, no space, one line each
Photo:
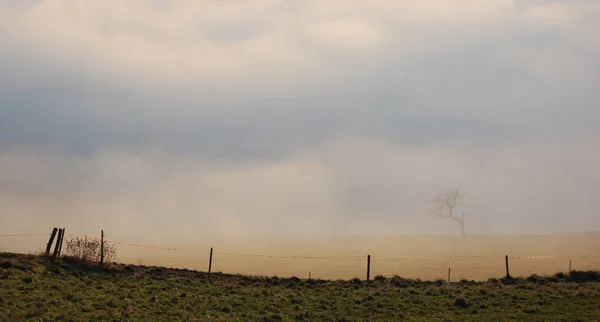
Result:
35,288
424,257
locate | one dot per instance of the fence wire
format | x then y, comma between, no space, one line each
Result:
331,266
374,258
24,235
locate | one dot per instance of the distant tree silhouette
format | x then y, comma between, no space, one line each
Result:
444,208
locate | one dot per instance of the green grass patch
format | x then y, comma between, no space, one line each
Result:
34,287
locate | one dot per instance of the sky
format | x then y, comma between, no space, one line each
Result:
186,118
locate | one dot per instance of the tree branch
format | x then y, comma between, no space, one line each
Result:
445,206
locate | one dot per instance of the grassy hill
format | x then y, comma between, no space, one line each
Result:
33,287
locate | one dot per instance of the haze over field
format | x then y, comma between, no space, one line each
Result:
179,122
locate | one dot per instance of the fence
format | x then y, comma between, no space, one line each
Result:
452,267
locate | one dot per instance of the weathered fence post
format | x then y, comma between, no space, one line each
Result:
449,274
368,267
569,266
102,247
62,237
507,271
210,261
49,246
57,245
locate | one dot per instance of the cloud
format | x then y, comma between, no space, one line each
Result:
309,117
344,187
188,40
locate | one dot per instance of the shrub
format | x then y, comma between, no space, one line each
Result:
533,278
356,281
380,278
439,281
87,249
530,310
461,302
7,264
581,276
493,281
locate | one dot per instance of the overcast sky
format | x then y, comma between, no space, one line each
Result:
299,118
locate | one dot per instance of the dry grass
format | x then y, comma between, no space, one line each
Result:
67,290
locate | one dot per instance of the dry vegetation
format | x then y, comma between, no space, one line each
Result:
88,249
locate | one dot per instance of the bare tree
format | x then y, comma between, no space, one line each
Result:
444,208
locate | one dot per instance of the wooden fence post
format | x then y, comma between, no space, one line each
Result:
569,266
507,271
102,247
449,274
57,244
368,267
210,262
62,236
49,246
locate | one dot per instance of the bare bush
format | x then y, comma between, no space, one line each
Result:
87,249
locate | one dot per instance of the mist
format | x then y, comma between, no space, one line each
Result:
196,121
342,187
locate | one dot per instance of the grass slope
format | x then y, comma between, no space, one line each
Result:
33,287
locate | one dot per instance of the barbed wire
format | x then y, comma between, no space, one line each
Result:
139,246
374,258
227,252
22,235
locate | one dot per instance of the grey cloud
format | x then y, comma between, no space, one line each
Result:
378,105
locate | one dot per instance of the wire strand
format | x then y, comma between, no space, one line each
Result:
21,235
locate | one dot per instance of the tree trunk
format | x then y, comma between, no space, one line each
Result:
462,230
